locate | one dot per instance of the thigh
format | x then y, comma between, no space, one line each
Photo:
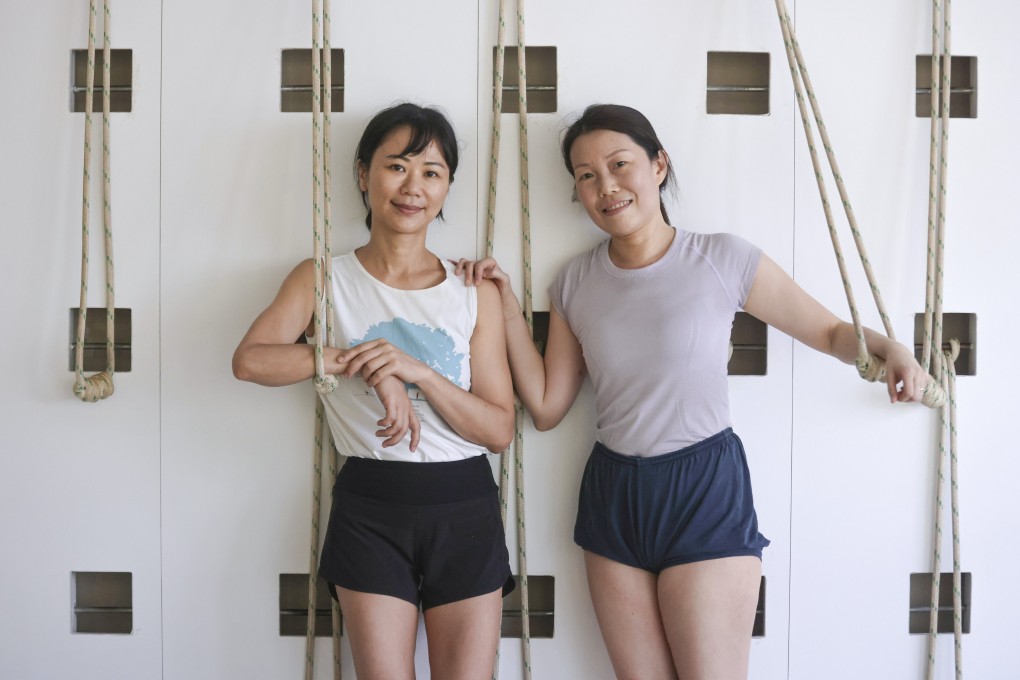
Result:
708,613
463,637
627,608
381,631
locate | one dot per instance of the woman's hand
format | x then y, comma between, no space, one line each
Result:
904,377
476,271
400,416
378,359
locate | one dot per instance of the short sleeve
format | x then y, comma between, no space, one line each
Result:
736,262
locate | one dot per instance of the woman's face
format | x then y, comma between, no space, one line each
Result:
616,181
405,193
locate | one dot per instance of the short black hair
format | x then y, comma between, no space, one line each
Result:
427,125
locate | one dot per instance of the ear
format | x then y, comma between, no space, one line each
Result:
362,177
661,164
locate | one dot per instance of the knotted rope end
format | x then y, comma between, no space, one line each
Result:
871,368
326,384
94,387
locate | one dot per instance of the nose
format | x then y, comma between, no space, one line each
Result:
412,184
607,184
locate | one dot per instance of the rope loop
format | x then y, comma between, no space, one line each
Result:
326,384
871,368
91,389
954,350
94,387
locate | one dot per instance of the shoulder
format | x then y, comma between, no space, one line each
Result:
582,263
718,244
302,275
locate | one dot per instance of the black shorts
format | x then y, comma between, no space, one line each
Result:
660,511
428,533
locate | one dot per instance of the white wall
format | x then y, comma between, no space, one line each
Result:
199,485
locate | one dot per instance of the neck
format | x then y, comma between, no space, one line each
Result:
643,247
400,260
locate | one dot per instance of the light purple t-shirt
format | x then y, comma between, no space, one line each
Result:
656,339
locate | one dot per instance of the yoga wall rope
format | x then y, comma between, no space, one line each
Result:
870,367
99,385
940,390
324,332
944,362
516,452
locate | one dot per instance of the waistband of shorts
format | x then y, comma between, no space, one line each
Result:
645,461
410,483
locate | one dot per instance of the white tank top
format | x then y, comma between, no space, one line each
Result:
433,325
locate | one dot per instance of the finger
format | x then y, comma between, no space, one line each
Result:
396,434
890,384
357,365
415,430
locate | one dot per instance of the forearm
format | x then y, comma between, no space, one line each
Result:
473,418
844,344
274,365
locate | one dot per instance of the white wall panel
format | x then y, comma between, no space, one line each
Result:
79,483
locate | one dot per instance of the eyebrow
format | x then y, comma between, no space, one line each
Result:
404,157
608,155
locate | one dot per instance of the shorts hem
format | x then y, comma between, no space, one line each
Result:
705,557
505,587
333,585
614,558
676,561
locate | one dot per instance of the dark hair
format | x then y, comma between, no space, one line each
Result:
625,120
427,125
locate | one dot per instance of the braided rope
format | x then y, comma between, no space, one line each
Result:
327,449
936,559
947,429
516,452
324,383
522,553
933,192
322,102
313,553
869,366
99,385
943,168
497,107
950,368
934,358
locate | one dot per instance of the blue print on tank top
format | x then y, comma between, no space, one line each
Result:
434,347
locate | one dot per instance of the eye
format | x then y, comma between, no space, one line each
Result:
619,164
432,173
397,167
584,176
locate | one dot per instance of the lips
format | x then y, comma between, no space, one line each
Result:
408,209
614,208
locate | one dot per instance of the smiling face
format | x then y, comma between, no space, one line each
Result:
405,191
617,182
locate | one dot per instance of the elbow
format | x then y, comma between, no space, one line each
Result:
504,437
240,368
544,423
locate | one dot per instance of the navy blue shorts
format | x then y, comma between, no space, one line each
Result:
427,533
656,512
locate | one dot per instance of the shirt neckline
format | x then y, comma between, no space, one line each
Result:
647,270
